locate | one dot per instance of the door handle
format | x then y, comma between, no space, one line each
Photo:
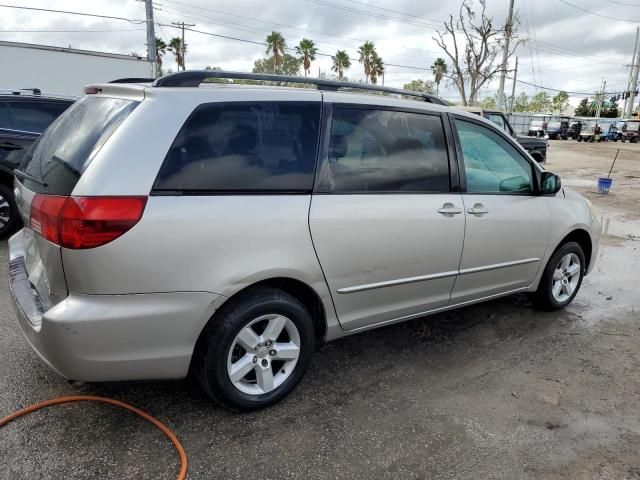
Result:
449,210
478,210
10,146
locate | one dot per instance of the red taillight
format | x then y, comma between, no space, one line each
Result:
84,222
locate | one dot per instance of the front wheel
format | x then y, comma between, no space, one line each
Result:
255,350
561,279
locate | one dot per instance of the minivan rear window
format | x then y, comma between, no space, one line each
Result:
256,147
64,151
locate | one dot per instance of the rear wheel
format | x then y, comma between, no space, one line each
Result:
255,350
9,215
561,279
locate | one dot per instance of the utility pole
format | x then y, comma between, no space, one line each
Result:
601,99
634,84
151,36
508,28
182,26
633,62
513,88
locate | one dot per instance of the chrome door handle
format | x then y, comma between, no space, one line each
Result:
478,210
449,210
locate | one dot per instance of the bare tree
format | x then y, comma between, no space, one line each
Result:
472,44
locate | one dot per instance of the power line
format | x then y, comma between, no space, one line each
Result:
623,3
394,11
558,90
74,13
598,14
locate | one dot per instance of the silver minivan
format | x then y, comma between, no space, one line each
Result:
224,230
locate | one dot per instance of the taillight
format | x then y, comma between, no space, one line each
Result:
84,222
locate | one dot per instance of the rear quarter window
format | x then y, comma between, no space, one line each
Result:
244,147
64,151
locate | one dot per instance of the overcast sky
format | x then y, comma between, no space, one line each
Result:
566,49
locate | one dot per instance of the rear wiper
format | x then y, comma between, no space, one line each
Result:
20,173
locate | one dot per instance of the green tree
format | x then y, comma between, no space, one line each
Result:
366,51
584,109
307,51
489,102
287,65
377,67
341,62
276,45
439,70
560,102
521,103
175,46
540,103
419,85
161,49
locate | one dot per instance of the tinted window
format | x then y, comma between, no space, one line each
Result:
35,116
497,119
491,163
65,150
260,147
5,120
385,151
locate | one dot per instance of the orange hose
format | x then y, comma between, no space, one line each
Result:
111,401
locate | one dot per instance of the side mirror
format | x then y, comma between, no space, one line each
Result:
550,183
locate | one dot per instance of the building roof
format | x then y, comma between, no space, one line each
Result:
71,50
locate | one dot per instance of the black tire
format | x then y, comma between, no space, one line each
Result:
543,298
212,351
9,211
624,140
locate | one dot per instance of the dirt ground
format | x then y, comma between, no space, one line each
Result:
494,391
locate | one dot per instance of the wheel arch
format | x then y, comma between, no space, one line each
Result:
582,238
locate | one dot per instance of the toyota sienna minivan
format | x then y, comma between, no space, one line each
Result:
224,230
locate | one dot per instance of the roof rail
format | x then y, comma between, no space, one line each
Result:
133,80
193,78
19,91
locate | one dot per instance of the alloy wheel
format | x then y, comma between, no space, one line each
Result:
566,277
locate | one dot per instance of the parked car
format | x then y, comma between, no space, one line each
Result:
225,230
631,131
24,115
558,129
537,147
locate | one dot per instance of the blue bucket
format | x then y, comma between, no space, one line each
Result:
604,184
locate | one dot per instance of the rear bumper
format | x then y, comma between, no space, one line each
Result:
112,337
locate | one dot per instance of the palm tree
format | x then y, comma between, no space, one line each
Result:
161,49
176,47
439,69
377,67
276,45
341,62
307,51
366,50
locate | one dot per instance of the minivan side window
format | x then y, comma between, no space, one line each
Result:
491,164
242,146
375,150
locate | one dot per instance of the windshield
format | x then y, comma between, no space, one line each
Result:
64,151
554,124
633,126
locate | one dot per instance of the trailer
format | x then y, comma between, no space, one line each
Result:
64,71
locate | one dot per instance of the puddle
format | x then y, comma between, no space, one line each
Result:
620,228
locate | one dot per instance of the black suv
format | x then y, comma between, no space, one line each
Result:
24,115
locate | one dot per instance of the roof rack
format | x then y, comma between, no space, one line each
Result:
133,80
193,78
34,91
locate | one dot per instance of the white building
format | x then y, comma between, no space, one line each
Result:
64,71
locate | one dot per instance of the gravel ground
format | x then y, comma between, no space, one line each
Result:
491,391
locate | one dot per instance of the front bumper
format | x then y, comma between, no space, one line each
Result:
112,337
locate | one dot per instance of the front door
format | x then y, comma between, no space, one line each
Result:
386,226
508,225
